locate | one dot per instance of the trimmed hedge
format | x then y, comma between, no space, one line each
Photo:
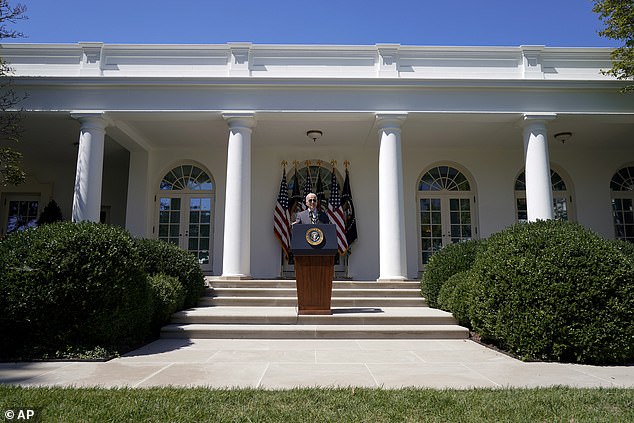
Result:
456,296
553,290
448,261
168,295
68,285
162,257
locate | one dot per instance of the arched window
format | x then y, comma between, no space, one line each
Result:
445,209
186,177
622,191
562,197
186,209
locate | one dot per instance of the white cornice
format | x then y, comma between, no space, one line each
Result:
256,61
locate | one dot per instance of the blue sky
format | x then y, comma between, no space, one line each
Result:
561,23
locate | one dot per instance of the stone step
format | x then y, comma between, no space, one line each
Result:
290,284
340,316
245,331
292,301
267,309
292,292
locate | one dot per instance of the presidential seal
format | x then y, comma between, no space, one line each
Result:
314,236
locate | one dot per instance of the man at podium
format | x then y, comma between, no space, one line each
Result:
314,244
312,215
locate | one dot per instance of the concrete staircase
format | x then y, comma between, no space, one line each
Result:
266,309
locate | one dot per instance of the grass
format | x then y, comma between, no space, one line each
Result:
557,404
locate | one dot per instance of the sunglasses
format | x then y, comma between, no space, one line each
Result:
312,200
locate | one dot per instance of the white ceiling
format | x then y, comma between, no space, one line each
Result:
53,135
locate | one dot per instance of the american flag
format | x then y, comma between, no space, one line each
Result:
336,215
281,218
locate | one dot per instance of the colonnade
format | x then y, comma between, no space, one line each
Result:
237,214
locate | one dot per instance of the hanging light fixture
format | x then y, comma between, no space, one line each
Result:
314,134
563,137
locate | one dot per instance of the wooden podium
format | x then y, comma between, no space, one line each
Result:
314,247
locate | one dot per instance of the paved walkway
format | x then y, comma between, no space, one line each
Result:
283,364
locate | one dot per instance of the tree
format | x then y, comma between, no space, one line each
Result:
10,118
618,17
52,213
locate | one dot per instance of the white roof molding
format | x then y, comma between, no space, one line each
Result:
257,61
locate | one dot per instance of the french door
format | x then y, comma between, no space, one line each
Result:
21,213
185,220
444,219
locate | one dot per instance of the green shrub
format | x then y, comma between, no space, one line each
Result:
626,247
552,290
168,294
71,285
456,296
445,263
163,257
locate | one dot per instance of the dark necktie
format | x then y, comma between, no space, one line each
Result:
313,217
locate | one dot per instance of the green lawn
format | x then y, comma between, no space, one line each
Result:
321,405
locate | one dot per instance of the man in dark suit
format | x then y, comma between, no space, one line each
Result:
312,215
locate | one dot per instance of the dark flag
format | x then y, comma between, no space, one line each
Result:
322,203
297,201
348,209
308,184
281,218
337,216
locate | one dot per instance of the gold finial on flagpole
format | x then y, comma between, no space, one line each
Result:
295,163
319,162
333,163
308,163
346,163
284,163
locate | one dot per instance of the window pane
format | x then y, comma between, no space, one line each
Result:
204,243
164,217
193,244
203,257
205,217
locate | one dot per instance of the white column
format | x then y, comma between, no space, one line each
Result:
392,255
88,176
236,261
137,210
539,196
